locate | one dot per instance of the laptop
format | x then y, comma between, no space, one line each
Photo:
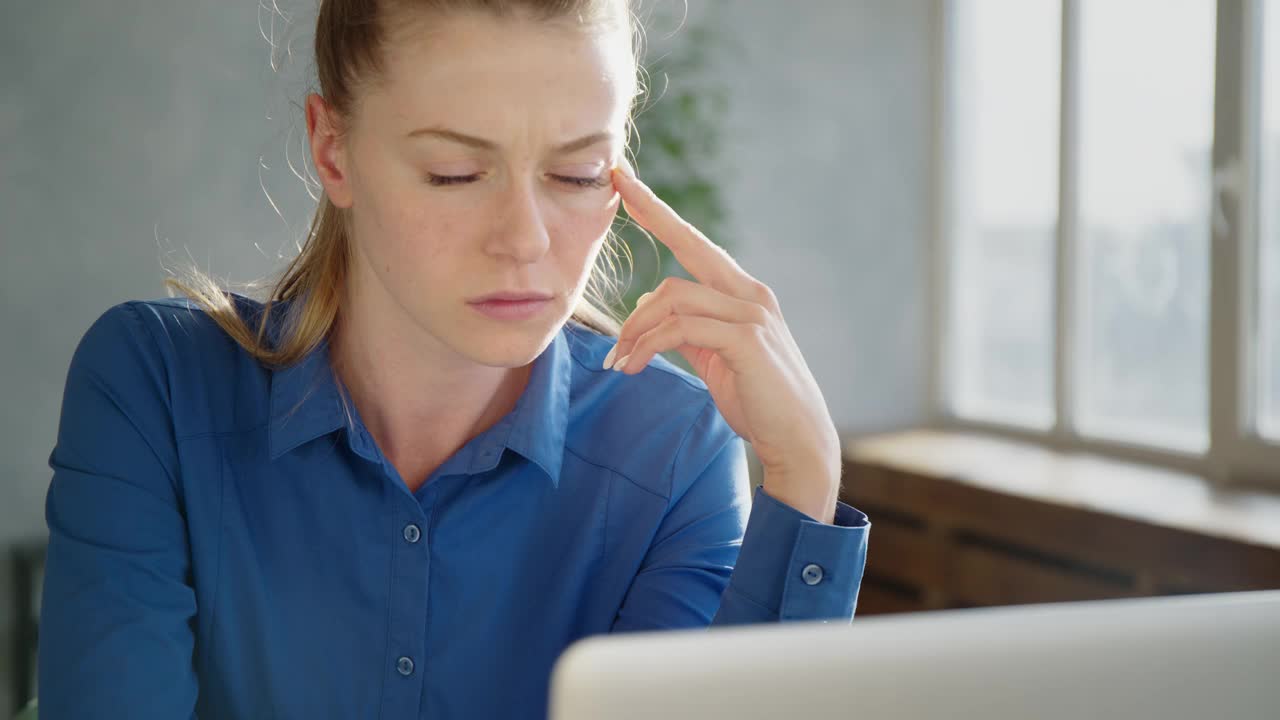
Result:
1195,656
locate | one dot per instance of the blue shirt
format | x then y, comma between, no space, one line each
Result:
225,544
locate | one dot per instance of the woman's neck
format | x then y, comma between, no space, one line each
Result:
419,399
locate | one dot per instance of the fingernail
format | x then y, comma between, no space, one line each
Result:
625,166
621,364
643,299
608,359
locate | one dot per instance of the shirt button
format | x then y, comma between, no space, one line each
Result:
412,533
812,574
405,666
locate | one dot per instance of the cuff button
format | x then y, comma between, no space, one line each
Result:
812,574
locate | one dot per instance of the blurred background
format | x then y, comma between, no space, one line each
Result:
1029,248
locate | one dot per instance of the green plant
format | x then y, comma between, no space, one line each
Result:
27,713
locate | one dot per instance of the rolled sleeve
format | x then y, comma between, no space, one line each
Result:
792,567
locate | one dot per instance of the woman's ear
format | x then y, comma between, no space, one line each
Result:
328,151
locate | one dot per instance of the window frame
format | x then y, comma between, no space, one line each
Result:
1237,453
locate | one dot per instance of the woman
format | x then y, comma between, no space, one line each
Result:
393,491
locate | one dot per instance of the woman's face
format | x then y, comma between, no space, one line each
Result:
480,164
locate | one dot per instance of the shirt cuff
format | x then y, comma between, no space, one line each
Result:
794,567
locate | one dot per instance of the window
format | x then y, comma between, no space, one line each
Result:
1267,284
1110,227
1144,109
1005,209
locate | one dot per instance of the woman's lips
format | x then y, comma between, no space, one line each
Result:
511,309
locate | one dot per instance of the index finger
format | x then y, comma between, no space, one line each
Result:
705,261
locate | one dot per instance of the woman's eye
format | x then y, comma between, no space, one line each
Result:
592,182
578,182
451,179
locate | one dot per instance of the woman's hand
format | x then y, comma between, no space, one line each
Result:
730,329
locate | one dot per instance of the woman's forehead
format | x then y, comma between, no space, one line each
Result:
458,49
491,72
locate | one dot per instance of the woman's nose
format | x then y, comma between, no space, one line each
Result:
521,232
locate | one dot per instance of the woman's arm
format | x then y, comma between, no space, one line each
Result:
802,551
116,634
719,558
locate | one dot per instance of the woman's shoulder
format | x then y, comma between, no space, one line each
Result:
589,347
174,327
664,414
174,345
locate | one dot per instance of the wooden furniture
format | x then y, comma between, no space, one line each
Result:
28,572
964,520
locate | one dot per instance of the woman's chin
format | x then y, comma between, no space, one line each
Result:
507,345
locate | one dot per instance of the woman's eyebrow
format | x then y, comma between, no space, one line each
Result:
482,144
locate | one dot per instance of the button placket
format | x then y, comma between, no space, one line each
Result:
407,609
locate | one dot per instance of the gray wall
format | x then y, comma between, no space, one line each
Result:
126,122
120,122
827,185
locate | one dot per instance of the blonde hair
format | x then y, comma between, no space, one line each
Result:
349,40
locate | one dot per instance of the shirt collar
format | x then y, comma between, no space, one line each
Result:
540,420
305,404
